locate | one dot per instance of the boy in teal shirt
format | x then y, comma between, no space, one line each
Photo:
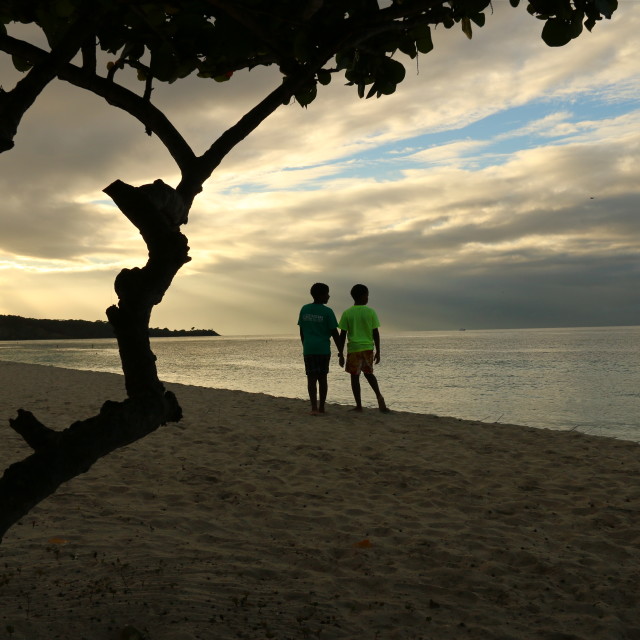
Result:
360,324
318,324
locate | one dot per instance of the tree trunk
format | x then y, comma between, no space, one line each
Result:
140,289
58,456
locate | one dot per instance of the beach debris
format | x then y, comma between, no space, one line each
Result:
364,544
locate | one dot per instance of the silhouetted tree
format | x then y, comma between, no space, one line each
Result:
309,41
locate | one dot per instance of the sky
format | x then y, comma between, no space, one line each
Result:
499,187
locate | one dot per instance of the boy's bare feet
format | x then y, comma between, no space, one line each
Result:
382,406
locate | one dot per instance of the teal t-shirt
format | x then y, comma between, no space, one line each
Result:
317,322
359,321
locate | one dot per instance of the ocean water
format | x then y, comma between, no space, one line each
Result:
575,378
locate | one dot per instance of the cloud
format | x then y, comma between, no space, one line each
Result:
497,187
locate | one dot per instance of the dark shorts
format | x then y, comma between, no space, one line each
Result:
359,362
316,365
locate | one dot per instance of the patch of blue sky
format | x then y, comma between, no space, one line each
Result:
490,141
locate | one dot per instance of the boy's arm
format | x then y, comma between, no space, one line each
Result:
340,345
301,335
376,341
337,341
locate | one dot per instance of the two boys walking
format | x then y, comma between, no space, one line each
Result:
358,325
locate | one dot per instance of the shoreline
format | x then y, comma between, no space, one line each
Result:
535,386
252,519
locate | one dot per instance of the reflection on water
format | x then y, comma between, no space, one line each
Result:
587,379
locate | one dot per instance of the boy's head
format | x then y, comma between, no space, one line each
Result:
320,292
359,293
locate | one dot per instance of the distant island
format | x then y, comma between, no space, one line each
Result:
18,328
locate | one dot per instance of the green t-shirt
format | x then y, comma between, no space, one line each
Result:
359,321
317,322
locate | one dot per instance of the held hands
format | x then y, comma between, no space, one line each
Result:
376,359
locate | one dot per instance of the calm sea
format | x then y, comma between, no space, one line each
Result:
581,378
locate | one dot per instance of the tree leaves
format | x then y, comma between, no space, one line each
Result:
165,40
564,19
383,73
558,31
307,95
466,27
606,7
324,76
423,40
21,64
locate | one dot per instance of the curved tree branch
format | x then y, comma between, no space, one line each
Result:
85,78
353,31
205,165
15,103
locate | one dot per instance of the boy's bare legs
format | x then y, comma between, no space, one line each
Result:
315,384
313,393
323,386
357,395
355,387
373,381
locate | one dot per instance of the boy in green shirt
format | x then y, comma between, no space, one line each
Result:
360,324
317,325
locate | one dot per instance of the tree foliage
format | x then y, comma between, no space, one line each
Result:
309,41
98,45
214,38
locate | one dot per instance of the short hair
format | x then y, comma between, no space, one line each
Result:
318,289
359,290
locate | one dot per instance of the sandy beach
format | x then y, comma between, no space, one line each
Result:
253,519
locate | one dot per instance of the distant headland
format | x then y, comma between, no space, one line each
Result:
18,328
